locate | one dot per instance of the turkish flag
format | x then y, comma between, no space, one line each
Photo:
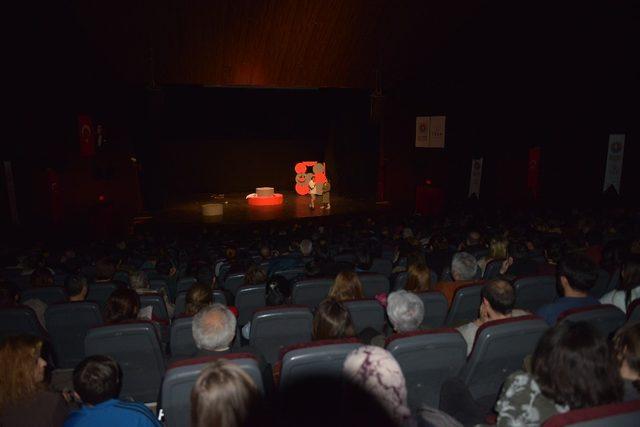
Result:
533,172
85,134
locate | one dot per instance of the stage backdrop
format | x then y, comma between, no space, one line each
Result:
223,140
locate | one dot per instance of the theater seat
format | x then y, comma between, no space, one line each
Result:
248,299
273,328
633,311
20,320
159,285
48,295
534,292
175,400
136,347
465,306
435,308
499,349
67,324
381,266
185,283
157,302
232,282
307,361
626,414
181,343
602,284
373,284
492,270
366,313
290,274
100,293
606,318
428,359
311,292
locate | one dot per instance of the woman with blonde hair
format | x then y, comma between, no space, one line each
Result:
418,278
224,395
198,297
498,251
346,287
24,398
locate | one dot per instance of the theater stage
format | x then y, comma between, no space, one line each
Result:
236,210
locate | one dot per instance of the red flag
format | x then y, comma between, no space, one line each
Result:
85,134
534,171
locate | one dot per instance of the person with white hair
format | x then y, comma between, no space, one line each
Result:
405,311
464,271
214,329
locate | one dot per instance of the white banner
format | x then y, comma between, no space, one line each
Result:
436,132
615,156
476,177
422,132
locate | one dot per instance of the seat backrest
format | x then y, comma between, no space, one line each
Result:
48,295
180,307
606,318
400,281
311,292
100,293
67,324
602,284
625,414
180,377
181,343
435,308
290,274
248,299
381,266
534,292
157,302
465,305
19,320
633,311
499,349
492,270
307,361
185,283
366,313
159,285
273,328
136,347
232,282
444,349
374,284
346,258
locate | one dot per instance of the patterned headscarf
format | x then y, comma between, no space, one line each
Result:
376,370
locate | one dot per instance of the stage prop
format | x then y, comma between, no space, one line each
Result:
212,209
305,171
265,196
430,131
615,157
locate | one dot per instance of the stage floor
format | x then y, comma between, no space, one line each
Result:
237,210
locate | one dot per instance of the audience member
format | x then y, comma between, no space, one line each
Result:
224,395
214,329
629,288
572,368
24,398
332,321
140,283
405,311
96,382
255,275
105,269
626,346
198,296
418,278
497,301
277,292
519,264
41,278
346,287
576,275
464,270
76,287
122,305
497,252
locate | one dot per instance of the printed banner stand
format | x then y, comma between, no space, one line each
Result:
615,157
476,177
422,131
430,131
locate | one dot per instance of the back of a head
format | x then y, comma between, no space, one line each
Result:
518,250
363,258
41,277
573,366
500,295
463,266
306,247
579,271
97,379
278,291
198,296
204,275
626,347
630,272
123,304
405,311
255,275
75,285
105,269
347,286
138,280
214,328
474,238
332,320
18,358
223,395
498,248
418,278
